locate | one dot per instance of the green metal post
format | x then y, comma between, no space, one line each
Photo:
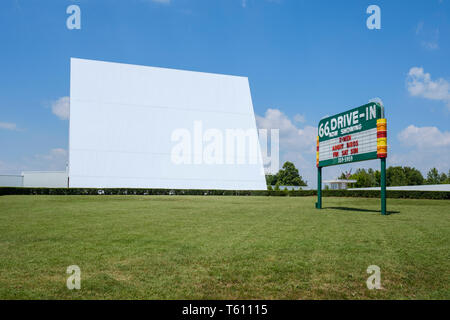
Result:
383,186
319,188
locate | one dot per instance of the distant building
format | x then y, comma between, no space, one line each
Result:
36,179
47,179
338,184
11,180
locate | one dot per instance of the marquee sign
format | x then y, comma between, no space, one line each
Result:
355,135
352,136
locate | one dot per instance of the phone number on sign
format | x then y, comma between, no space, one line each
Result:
345,159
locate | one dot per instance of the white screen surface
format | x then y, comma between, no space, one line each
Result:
122,123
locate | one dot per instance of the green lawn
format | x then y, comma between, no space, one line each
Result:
205,247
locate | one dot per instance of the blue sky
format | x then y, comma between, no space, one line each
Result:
304,60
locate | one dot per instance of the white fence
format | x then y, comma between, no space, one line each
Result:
428,187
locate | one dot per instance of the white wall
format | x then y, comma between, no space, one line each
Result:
11,180
47,179
122,118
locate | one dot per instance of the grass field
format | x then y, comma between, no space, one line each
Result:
205,247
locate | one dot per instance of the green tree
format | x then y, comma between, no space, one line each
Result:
413,176
271,179
364,178
289,175
395,176
433,177
403,176
377,175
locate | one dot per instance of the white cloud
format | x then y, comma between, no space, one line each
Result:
420,84
430,45
296,144
7,168
53,160
419,28
290,135
429,37
56,153
424,137
423,161
8,126
61,108
428,147
299,118
245,2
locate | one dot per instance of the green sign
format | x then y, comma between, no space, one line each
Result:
353,136
349,136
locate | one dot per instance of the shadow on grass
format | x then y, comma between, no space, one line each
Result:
358,209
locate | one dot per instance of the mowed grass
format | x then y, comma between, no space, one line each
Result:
205,247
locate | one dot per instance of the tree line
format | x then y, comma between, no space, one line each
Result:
289,175
396,176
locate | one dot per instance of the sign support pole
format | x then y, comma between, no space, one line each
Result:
383,186
319,188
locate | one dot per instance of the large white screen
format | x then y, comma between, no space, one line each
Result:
122,118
